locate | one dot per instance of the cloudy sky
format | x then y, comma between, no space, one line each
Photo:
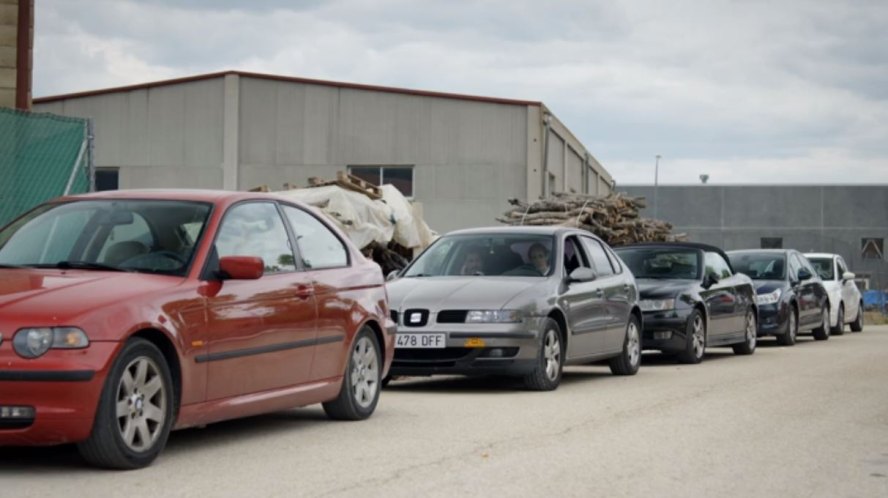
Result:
771,91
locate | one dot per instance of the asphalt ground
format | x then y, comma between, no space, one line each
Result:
808,420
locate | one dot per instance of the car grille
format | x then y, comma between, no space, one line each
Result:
416,318
452,316
441,354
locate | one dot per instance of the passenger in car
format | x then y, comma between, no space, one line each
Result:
539,257
473,264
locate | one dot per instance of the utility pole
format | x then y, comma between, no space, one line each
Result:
656,182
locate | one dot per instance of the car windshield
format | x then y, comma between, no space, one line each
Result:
486,254
824,267
760,266
661,262
154,236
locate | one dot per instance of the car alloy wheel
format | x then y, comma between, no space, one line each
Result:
361,383
839,329
365,372
629,359
750,336
699,337
552,355
141,404
546,373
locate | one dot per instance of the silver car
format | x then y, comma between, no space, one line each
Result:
520,301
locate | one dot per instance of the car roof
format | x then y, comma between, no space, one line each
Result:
760,251
820,255
199,195
520,229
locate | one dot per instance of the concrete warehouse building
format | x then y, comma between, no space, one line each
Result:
851,220
460,156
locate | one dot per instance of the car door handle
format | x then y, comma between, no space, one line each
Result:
303,291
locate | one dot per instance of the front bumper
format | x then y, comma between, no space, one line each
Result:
63,388
666,330
773,319
472,349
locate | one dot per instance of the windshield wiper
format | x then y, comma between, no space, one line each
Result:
420,275
82,265
3,265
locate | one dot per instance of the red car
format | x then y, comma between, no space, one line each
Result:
126,314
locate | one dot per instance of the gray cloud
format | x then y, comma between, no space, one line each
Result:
738,86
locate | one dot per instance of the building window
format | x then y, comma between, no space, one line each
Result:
872,248
107,179
772,243
399,176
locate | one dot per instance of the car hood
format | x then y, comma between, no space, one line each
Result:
768,286
472,293
54,297
654,288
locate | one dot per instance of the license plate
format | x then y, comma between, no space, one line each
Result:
418,341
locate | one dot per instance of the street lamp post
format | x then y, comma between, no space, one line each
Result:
656,181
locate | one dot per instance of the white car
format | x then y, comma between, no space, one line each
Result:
845,302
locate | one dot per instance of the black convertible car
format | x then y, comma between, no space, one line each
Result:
691,299
791,297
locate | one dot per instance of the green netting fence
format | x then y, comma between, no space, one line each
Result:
41,156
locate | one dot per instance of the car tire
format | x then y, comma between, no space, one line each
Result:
750,335
550,359
361,383
821,333
857,324
630,358
695,346
135,410
792,329
839,329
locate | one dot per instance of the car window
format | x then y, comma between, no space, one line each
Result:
807,265
256,229
616,264
716,264
484,254
136,234
318,246
759,265
794,267
662,262
824,267
600,262
47,238
842,267
574,256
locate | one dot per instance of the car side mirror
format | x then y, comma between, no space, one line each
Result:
241,267
804,274
581,274
848,275
709,280
392,275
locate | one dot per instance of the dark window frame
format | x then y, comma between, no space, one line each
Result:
381,176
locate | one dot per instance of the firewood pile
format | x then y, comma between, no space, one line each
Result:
614,218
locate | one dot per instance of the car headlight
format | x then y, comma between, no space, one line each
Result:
769,298
657,304
35,342
494,316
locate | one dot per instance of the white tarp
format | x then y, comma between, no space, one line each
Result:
365,220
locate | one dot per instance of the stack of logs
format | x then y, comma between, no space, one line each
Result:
614,218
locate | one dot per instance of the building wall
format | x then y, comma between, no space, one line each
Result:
8,51
808,218
165,136
239,131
